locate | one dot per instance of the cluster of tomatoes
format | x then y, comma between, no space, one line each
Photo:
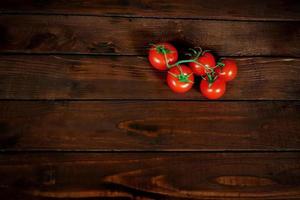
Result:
180,77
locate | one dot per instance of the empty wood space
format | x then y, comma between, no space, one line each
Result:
154,125
83,115
150,175
267,10
131,36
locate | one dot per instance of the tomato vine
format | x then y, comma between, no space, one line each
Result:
164,56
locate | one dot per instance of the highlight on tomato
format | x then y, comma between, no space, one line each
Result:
161,55
227,69
203,64
180,79
213,88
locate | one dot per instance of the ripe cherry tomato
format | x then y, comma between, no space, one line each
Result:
180,78
157,58
214,90
207,59
229,71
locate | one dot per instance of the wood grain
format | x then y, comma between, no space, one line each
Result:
100,123
150,176
130,77
149,125
197,9
131,36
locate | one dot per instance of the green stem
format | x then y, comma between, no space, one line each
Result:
166,60
184,78
172,74
184,61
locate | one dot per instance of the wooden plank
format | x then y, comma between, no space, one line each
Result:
149,125
197,9
150,176
130,36
129,77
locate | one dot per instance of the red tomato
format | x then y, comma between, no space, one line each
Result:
214,90
180,78
229,71
157,58
207,59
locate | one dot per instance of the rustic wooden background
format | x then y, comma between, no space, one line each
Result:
84,116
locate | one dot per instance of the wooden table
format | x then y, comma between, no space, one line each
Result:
84,116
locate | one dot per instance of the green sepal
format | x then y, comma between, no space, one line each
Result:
162,50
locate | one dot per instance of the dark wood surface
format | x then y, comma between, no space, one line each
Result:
131,36
84,116
143,125
131,77
151,175
284,10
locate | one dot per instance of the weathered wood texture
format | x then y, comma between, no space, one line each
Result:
130,36
149,125
198,9
150,176
140,140
130,77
